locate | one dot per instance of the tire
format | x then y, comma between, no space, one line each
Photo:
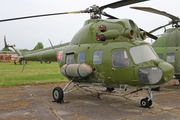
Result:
58,94
150,103
144,103
109,89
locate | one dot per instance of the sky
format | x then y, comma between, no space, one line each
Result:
27,33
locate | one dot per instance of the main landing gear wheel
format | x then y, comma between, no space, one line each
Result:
109,89
145,103
58,94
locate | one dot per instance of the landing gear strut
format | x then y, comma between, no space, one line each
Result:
147,102
58,92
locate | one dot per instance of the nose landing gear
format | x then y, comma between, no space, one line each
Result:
147,102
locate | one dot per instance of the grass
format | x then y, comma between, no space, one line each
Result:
34,72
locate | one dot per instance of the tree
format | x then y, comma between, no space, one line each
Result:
38,46
25,50
4,49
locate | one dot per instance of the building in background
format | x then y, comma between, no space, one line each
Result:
6,56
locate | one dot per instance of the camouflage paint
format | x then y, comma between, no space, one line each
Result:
116,38
169,42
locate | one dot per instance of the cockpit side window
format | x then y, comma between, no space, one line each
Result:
142,54
70,58
170,57
81,57
120,59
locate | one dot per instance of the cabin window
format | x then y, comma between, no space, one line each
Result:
120,59
160,56
81,57
170,57
97,57
70,58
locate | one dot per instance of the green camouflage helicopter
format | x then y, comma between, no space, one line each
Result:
168,45
106,52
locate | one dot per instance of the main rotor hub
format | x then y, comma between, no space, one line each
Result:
175,23
95,12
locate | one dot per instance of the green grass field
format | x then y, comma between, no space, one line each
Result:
34,72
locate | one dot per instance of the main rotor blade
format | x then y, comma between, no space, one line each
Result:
159,28
110,16
26,17
152,10
120,3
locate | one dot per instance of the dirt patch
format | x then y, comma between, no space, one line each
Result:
16,105
13,88
78,117
53,84
27,117
11,96
168,98
45,85
174,82
45,92
172,96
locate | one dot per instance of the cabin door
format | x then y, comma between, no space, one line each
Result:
122,68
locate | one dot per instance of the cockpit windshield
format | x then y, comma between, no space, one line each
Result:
142,54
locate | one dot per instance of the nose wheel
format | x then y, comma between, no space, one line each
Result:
147,102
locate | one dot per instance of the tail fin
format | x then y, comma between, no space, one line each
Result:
6,46
12,46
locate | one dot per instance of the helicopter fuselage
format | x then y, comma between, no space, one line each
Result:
108,53
168,48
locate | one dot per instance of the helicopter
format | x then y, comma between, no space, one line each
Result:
167,46
106,53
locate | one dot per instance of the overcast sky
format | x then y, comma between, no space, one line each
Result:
27,33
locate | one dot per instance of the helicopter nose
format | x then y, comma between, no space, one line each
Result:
152,75
168,71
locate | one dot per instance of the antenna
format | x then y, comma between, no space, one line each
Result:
51,44
61,42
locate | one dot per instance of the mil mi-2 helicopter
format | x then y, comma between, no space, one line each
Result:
107,53
168,45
